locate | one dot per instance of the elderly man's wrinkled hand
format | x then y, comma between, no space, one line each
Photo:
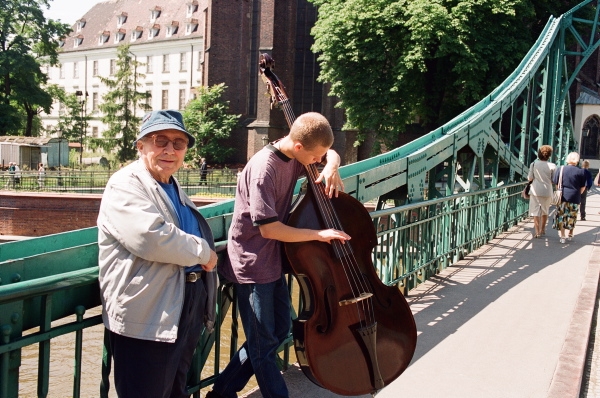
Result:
212,262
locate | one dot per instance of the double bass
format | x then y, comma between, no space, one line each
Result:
353,335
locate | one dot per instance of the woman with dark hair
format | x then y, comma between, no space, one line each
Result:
540,175
572,185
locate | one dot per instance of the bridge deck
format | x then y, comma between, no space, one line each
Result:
511,320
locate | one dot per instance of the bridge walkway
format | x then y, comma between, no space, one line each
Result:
513,319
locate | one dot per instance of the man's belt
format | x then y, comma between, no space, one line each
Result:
192,276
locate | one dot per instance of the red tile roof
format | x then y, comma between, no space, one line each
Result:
103,18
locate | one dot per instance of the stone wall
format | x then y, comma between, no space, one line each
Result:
38,214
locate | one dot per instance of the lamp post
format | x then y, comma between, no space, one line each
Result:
134,91
79,94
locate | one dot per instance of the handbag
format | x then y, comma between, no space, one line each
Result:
557,195
525,193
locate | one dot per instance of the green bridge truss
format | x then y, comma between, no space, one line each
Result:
438,198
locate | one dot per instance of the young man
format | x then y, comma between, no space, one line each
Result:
262,204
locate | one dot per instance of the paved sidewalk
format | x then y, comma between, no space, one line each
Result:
511,320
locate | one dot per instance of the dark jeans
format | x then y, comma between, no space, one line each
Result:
144,368
265,314
582,203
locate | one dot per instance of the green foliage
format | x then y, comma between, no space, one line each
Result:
393,63
119,104
206,118
71,121
27,41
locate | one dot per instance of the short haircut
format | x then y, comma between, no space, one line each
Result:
585,164
544,152
573,158
312,129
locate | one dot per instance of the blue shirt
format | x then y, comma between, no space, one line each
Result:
187,220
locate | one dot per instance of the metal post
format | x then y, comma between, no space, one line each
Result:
79,94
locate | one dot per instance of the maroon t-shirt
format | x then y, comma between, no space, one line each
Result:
264,195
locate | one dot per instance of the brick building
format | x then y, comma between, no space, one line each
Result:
186,44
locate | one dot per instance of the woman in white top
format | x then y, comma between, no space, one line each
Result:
540,173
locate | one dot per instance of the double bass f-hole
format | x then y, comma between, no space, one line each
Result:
350,320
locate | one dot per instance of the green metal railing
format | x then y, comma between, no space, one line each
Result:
419,240
219,183
405,255
452,190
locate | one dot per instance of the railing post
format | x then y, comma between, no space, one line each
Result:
79,311
4,363
106,366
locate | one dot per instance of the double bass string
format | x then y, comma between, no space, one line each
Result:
344,252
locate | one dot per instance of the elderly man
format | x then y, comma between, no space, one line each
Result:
157,265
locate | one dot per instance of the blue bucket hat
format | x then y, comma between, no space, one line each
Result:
163,120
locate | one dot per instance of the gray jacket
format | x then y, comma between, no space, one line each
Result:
142,257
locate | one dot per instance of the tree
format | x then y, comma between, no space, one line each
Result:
71,120
27,40
206,118
394,63
119,105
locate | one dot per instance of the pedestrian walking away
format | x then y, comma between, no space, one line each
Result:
585,165
573,184
157,261
540,174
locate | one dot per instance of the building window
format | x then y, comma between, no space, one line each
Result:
80,25
75,70
181,98
113,66
95,68
121,19
120,35
77,41
192,7
61,108
172,29
165,63
103,37
149,99
154,13
94,102
200,60
61,71
182,62
137,33
590,148
154,30
165,99
191,26
149,67
94,132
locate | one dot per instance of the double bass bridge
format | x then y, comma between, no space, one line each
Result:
354,300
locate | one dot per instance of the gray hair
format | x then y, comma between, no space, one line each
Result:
573,158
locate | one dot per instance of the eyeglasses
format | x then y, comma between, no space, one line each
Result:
162,141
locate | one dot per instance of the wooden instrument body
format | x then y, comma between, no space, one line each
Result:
327,338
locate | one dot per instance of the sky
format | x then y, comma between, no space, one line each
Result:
69,11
